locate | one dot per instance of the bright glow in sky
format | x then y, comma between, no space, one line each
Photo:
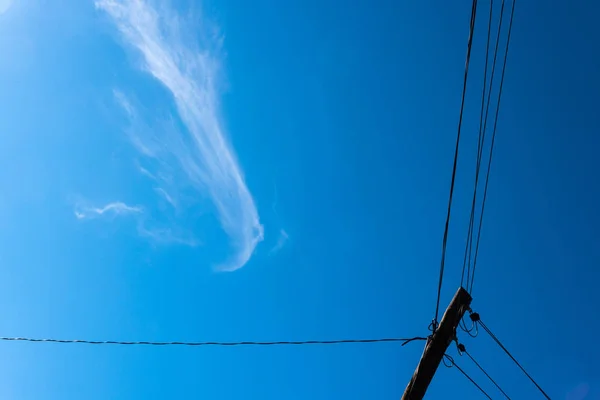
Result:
5,5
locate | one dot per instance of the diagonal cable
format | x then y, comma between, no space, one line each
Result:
462,106
487,178
489,332
486,374
467,376
481,139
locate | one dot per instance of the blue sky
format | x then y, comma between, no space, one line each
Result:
230,170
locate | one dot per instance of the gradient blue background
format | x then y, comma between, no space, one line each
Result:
343,115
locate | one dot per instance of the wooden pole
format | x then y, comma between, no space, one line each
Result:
437,345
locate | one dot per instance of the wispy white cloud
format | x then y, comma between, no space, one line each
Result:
144,171
124,103
166,196
162,235
189,69
145,228
115,208
281,241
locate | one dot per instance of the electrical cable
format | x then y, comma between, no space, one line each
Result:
469,247
280,343
462,106
485,373
480,142
469,331
489,332
487,178
467,376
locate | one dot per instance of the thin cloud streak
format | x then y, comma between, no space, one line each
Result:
115,208
166,236
281,241
189,69
147,173
166,196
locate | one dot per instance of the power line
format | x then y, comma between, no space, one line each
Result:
467,376
485,373
480,149
487,51
512,358
487,178
469,331
480,142
146,343
462,106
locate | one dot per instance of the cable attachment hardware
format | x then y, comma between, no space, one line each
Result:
433,326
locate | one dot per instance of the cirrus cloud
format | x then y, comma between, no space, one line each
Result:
115,208
200,151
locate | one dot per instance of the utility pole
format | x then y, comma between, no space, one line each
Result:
436,346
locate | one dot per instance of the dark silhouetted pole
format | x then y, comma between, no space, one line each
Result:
437,345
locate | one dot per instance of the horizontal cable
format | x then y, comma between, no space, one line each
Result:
145,343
